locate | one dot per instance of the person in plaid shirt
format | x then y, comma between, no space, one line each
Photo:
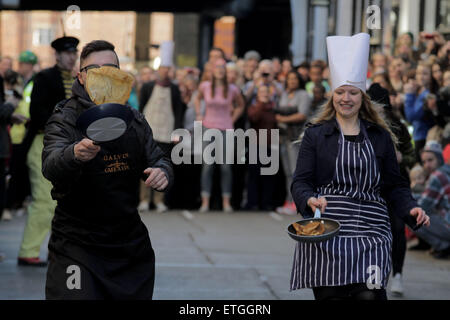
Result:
435,200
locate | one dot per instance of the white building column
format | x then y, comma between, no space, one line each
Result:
320,28
299,14
344,18
358,16
409,17
430,16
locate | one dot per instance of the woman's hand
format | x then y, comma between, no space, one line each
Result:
421,217
320,203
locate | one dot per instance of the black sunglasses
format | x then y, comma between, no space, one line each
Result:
96,66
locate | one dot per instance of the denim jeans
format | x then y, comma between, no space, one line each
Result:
208,170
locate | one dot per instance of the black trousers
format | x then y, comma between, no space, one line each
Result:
398,244
260,189
19,184
68,279
2,185
357,291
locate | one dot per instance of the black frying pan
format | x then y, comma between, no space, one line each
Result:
105,122
332,228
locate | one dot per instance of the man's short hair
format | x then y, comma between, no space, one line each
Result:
94,46
252,55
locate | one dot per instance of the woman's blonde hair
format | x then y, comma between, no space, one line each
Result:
370,111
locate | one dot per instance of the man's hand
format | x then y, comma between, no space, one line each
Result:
85,150
157,179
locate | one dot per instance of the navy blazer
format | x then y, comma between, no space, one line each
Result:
316,167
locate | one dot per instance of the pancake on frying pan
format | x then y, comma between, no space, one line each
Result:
108,85
310,227
314,228
298,227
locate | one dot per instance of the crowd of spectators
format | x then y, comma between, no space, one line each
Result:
274,94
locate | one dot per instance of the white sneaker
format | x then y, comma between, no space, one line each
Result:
203,209
6,215
161,207
143,206
396,286
228,209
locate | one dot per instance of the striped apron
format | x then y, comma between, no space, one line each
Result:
361,253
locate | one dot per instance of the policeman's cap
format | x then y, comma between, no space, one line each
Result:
65,44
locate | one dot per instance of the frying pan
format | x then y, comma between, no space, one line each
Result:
105,122
332,228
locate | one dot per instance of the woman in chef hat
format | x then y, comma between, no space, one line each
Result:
347,168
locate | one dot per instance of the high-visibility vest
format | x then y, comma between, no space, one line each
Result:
17,131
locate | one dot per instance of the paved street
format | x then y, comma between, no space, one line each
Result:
217,256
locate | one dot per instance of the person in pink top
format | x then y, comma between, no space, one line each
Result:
223,105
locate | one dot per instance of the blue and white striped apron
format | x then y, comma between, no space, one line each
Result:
361,253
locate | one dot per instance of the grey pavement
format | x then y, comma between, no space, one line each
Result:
218,256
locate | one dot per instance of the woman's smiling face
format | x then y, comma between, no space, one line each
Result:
347,101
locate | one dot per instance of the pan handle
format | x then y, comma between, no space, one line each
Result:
317,214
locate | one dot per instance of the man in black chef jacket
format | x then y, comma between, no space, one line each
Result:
99,247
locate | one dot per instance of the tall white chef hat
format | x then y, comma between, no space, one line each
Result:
166,53
348,59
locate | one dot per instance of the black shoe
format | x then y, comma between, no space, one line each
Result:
31,262
443,254
421,246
